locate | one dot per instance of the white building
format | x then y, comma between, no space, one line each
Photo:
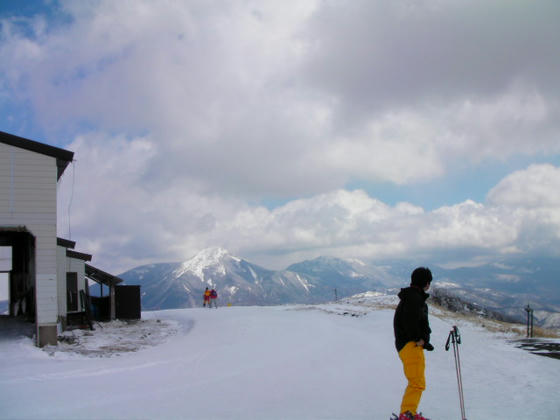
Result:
72,282
46,275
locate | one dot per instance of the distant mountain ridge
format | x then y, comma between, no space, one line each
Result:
239,282
497,288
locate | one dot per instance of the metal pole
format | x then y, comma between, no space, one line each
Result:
529,329
532,334
455,339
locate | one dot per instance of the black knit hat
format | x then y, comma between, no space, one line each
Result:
421,277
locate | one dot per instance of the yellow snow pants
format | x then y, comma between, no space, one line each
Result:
412,358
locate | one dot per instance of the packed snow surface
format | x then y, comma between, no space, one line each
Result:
333,361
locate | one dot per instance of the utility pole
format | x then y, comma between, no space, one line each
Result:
335,295
529,311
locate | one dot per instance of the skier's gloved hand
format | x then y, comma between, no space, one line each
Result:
428,347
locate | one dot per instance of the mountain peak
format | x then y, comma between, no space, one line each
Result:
321,262
213,257
215,253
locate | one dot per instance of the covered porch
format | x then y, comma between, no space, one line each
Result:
105,279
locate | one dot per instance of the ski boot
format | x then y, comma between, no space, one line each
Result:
419,416
403,416
408,416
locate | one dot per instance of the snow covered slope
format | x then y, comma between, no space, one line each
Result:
497,305
332,361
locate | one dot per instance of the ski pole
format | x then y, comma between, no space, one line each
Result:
455,338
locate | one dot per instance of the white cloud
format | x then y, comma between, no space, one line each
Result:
284,100
531,196
139,225
371,54
533,188
519,121
400,147
182,115
466,225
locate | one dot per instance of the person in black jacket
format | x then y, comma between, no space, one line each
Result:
412,336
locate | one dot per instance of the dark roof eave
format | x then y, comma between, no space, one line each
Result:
100,276
65,243
16,229
78,255
63,157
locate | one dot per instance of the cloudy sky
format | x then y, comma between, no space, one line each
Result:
285,130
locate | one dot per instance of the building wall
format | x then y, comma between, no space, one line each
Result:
68,265
28,190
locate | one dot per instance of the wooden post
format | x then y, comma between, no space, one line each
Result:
112,299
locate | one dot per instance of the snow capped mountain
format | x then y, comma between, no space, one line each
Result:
332,267
213,259
486,290
349,277
181,285
239,282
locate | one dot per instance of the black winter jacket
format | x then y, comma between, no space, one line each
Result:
411,317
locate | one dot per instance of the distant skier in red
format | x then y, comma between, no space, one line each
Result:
213,298
206,298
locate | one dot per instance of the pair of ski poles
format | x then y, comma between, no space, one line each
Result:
455,339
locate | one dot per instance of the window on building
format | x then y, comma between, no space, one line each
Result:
71,292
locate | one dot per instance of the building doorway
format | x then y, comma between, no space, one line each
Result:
5,268
18,270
